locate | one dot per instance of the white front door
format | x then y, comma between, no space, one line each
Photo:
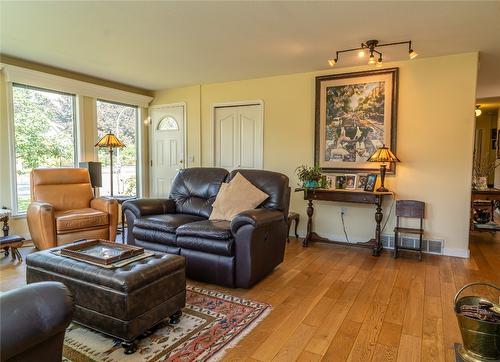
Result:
238,137
167,147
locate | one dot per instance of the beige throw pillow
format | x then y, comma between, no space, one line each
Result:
236,196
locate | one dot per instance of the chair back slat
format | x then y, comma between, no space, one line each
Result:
410,208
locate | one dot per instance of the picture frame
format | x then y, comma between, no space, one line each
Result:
371,181
361,181
355,114
340,182
350,181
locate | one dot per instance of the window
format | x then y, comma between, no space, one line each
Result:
168,123
120,119
44,134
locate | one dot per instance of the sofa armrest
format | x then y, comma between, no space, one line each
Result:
143,207
41,224
32,315
110,207
256,218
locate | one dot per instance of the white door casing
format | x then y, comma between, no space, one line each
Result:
238,135
167,146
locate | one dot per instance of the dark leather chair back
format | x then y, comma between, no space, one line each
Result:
272,183
194,189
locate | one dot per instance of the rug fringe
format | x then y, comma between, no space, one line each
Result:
220,354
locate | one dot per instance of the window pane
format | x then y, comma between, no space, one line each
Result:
121,120
44,124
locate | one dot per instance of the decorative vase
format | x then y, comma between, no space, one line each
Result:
309,184
482,183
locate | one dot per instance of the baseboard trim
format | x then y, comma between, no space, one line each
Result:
460,253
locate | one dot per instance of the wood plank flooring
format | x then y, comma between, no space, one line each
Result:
332,303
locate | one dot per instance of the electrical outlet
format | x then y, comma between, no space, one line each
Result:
343,210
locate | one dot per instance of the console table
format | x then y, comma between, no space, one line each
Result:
354,196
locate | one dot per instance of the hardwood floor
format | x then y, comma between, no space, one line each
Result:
332,303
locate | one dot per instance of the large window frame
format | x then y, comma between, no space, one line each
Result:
12,137
138,143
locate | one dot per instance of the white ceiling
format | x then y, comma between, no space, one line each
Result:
158,45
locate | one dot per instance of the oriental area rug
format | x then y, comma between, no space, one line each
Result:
211,323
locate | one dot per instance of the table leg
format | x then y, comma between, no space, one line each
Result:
5,227
378,219
123,225
310,212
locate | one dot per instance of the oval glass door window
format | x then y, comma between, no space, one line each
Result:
168,123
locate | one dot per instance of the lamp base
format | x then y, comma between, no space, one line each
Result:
382,189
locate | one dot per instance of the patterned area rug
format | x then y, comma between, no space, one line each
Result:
211,323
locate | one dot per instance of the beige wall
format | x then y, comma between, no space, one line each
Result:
435,140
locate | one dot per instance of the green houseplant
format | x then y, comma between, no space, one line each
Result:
309,176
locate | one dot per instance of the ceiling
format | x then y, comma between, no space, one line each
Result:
157,45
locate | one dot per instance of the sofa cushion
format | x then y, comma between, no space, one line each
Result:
165,222
79,219
211,229
209,236
194,189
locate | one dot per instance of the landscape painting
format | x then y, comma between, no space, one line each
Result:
355,115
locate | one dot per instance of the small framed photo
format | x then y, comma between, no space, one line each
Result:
361,182
350,182
340,182
371,180
330,181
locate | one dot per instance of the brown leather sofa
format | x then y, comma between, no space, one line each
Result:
63,208
234,254
34,320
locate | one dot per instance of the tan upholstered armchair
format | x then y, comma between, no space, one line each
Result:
63,208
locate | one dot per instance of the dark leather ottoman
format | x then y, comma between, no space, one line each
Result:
124,302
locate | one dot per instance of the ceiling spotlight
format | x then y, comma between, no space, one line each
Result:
478,111
373,47
372,59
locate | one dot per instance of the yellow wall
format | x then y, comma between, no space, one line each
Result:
434,140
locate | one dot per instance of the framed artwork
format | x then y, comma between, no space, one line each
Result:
350,182
361,182
355,114
340,182
371,180
498,148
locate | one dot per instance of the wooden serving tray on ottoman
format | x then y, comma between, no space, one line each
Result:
100,251
123,302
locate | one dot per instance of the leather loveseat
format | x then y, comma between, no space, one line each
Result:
34,320
235,254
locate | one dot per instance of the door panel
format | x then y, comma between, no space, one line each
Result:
238,139
167,136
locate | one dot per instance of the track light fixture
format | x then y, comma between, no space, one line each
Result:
371,46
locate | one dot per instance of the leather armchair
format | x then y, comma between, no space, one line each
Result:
34,320
63,208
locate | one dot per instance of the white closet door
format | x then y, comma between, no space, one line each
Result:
238,137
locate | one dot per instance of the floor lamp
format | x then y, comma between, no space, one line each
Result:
110,141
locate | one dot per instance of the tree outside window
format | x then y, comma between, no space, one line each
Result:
44,134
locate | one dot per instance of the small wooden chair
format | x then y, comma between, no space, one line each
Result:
410,209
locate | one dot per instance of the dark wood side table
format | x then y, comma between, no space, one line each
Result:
121,199
354,196
9,243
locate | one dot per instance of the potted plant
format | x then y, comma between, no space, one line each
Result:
309,176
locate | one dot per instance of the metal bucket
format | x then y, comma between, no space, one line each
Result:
481,338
